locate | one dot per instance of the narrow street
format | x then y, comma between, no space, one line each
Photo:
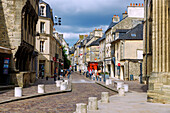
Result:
82,88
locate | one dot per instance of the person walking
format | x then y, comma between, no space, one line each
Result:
80,71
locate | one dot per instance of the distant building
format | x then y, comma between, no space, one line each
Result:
133,17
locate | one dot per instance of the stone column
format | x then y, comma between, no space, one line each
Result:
105,97
92,103
18,92
154,36
81,108
41,88
160,34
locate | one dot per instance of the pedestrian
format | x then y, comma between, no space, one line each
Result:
80,71
87,73
90,73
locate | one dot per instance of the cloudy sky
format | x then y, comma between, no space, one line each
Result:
83,16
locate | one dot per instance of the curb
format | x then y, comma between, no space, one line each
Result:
106,86
36,95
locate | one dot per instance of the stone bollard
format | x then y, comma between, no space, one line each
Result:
121,91
119,85
41,88
110,81
81,108
66,81
18,92
92,103
58,83
107,81
126,87
63,86
105,97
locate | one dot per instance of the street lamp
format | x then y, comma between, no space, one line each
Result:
59,20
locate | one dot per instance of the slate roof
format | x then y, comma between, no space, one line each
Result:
95,43
122,30
48,12
103,37
138,30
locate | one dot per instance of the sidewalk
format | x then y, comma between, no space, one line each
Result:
32,91
135,101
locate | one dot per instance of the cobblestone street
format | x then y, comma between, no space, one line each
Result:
58,103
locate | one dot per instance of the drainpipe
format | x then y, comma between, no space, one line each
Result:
146,34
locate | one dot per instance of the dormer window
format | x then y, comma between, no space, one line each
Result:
42,11
133,35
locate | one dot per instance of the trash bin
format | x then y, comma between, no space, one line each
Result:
131,77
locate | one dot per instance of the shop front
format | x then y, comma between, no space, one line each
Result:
92,66
5,55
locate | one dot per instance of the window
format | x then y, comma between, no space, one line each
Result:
139,54
41,46
42,25
42,11
133,35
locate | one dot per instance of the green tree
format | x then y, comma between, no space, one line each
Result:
67,62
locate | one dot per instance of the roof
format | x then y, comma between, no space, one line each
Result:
95,43
122,30
135,33
114,23
103,37
48,10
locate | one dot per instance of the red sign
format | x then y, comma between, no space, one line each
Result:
54,58
118,64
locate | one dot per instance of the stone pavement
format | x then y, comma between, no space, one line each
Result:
31,91
58,103
133,102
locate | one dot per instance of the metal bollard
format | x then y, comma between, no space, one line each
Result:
92,103
105,97
121,91
81,108
18,92
41,88
63,86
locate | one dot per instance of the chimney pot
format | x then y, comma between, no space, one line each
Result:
142,4
114,15
133,4
139,4
125,12
130,4
136,4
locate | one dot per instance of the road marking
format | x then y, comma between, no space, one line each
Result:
82,81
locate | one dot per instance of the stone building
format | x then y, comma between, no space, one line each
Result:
92,49
133,17
18,21
127,52
156,50
45,43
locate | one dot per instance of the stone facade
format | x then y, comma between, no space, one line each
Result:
45,43
17,31
128,22
157,52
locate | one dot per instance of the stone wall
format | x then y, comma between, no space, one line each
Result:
134,69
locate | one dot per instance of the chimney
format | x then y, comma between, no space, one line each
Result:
115,19
136,10
124,14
